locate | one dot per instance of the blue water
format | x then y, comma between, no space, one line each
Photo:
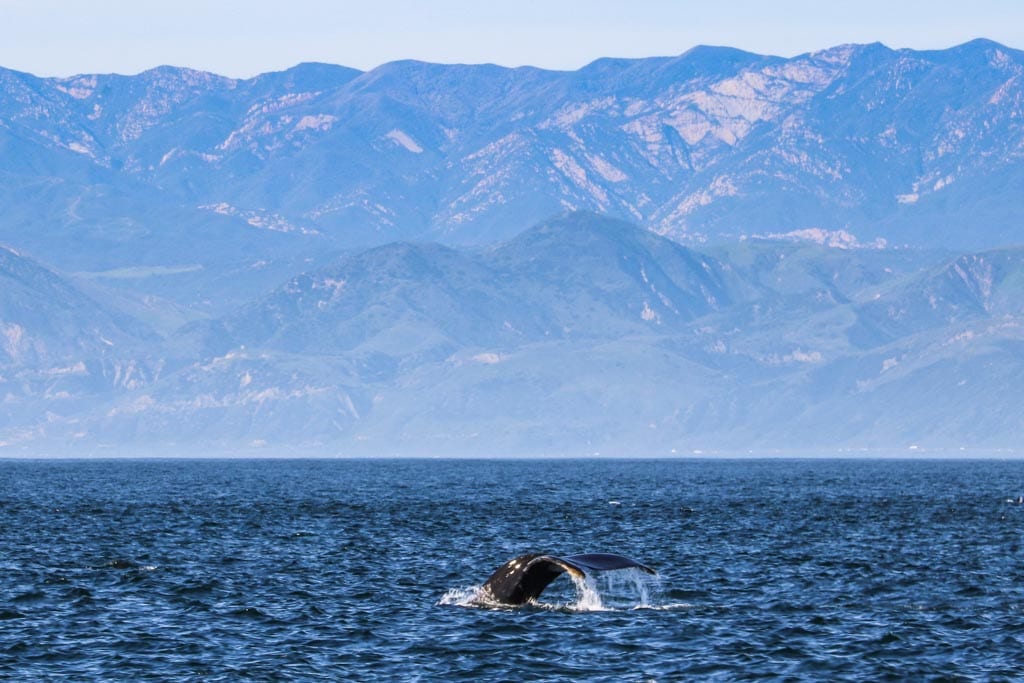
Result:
361,570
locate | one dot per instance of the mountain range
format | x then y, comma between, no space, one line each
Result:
716,251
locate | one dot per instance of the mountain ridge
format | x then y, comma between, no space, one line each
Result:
712,144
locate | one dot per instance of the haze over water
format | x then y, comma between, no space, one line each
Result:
339,570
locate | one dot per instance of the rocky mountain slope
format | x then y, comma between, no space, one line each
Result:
183,170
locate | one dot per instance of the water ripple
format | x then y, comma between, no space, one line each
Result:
358,570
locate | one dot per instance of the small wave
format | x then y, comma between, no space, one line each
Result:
667,607
246,613
32,595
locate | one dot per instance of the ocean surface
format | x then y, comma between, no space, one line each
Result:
801,570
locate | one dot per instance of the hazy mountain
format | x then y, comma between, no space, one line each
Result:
582,334
815,252
59,349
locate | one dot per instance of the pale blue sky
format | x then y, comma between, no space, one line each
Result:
241,38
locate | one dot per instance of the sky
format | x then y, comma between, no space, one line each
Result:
241,38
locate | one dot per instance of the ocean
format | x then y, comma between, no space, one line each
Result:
363,570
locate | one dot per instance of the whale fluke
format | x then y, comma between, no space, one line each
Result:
525,577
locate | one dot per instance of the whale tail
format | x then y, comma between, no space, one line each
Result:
525,577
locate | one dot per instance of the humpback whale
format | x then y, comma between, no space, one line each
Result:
525,577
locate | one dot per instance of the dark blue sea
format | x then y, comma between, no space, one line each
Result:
797,570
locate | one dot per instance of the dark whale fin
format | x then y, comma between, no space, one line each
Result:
525,577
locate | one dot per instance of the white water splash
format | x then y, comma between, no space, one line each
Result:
609,591
588,595
621,589
463,597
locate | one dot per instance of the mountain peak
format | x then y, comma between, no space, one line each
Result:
310,76
978,44
721,54
977,52
180,72
713,59
848,51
